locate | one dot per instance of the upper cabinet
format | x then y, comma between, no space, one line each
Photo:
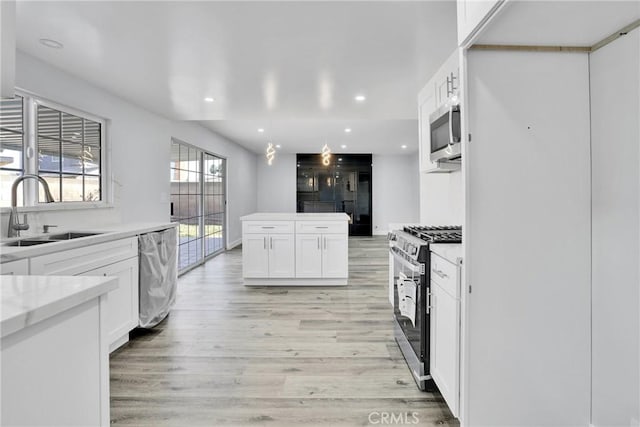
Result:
472,14
444,84
8,48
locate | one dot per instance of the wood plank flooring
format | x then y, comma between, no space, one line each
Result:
229,355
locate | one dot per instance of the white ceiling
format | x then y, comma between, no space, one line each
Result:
292,68
559,23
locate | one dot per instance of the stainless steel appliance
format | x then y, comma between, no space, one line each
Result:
446,132
409,249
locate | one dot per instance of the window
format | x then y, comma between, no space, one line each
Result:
64,147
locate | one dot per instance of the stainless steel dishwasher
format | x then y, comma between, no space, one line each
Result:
158,275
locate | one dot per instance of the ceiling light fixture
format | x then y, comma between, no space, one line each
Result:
53,44
360,98
209,99
278,146
260,130
343,146
403,147
326,155
348,130
270,154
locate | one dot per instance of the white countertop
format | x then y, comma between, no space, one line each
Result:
281,216
109,233
27,300
448,251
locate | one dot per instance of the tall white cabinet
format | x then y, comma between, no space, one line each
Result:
295,249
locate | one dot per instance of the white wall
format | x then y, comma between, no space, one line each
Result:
395,196
527,240
277,183
139,144
615,113
396,191
441,198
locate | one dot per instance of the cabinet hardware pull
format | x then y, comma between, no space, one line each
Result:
264,242
325,243
318,242
441,274
270,242
317,226
265,227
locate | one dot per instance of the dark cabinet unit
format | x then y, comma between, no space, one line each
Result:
342,186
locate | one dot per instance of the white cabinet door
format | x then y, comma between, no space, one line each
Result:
335,255
122,302
309,255
282,255
445,345
471,14
18,267
255,255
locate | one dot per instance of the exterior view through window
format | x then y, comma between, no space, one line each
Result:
68,147
198,203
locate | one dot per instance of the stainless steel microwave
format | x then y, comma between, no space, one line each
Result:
446,132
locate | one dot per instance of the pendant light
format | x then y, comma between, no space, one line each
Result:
326,155
270,154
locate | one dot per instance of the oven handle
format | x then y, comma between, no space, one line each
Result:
405,262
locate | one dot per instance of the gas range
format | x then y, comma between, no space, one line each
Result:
409,291
412,242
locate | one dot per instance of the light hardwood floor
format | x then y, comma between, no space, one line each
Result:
229,355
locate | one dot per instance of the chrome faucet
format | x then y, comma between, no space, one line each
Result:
14,223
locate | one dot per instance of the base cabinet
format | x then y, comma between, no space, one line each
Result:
322,256
268,255
56,372
122,304
445,330
116,258
19,267
335,256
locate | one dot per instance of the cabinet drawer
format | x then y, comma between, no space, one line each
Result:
18,267
445,274
81,260
261,227
315,227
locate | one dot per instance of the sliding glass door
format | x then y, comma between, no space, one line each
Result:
198,203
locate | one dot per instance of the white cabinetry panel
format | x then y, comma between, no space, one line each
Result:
18,267
122,302
308,255
335,256
472,14
255,255
281,255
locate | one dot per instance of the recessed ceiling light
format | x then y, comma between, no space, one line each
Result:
260,130
278,145
347,130
403,147
360,98
343,146
340,159
54,44
209,99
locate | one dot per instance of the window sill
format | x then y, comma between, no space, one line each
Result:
69,206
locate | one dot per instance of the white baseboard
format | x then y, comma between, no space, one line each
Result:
233,244
295,282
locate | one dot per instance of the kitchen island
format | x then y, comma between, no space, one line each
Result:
295,249
54,350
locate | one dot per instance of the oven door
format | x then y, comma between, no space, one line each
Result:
413,329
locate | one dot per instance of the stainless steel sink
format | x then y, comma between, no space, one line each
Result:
28,242
71,235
